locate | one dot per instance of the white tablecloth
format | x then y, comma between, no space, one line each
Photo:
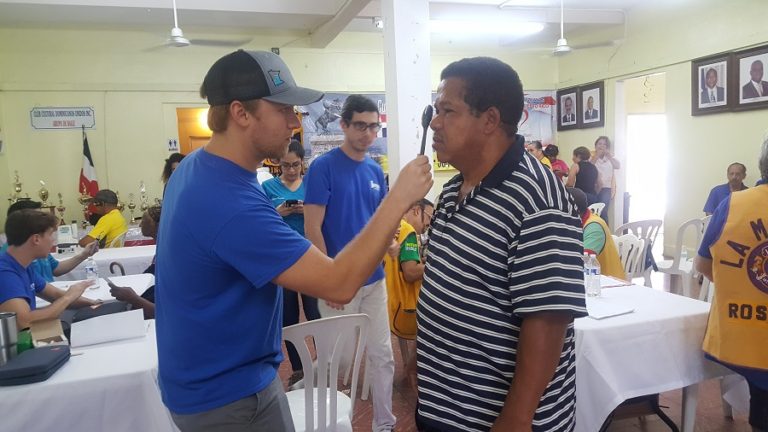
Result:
134,259
110,387
654,349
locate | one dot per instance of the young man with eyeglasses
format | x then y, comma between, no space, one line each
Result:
344,188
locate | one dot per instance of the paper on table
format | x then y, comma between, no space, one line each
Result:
108,328
602,307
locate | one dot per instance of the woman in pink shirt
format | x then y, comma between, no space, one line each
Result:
559,167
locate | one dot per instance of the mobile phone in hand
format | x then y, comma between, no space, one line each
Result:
291,202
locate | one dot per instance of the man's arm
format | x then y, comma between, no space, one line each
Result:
25,316
338,279
541,341
85,241
703,266
314,215
68,265
412,271
51,294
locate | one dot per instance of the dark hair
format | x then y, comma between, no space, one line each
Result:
607,141
296,147
24,203
536,144
167,169
551,151
710,70
154,212
357,104
23,224
582,152
423,203
580,199
489,82
743,167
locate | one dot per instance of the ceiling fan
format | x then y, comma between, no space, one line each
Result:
561,48
177,38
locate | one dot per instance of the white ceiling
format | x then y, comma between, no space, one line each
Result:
304,16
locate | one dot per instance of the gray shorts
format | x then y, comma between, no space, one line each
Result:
266,410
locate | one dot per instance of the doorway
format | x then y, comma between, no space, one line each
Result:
193,128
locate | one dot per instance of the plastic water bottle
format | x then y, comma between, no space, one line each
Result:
587,270
593,281
92,271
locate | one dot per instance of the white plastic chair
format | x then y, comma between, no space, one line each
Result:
631,254
676,266
645,230
597,208
118,241
321,407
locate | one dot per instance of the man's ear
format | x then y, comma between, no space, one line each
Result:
492,120
238,113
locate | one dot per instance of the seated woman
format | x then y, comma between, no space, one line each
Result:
583,174
150,223
597,238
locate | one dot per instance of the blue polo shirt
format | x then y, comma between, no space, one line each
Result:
42,266
717,195
219,316
351,191
18,282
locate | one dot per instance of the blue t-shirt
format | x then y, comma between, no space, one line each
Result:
714,230
18,282
351,191
219,316
278,193
716,196
42,266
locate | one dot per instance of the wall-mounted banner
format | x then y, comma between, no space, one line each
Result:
62,118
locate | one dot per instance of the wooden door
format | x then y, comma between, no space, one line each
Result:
193,131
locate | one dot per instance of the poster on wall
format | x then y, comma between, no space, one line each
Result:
537,122
320,122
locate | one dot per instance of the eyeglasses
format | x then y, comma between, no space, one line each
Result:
427,214
290,165
363,126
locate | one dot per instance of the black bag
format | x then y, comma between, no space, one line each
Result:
34,365
103,309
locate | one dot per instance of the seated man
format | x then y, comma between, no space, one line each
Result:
31,234
597,237
537,150
405,270
736,174
111,225
49,266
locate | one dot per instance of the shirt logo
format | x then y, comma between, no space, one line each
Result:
276,80
757,267
375,186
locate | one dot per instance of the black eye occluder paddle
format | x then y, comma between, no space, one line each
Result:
426,118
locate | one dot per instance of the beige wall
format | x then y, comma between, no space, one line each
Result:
135,90
664,42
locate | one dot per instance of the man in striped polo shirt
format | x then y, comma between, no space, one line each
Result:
503,279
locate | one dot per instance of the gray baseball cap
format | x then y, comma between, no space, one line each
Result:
247,75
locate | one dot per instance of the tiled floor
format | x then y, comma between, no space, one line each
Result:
709,415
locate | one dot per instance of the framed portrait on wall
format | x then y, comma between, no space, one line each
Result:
591,105
566,109
710,92
750,80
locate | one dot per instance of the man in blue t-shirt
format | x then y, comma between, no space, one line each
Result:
31,234
48,267
344,188
225,250
736,174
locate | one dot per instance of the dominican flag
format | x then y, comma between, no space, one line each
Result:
88,183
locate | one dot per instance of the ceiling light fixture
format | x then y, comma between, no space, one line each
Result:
476,27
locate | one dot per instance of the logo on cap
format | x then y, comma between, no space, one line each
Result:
276,80
757,267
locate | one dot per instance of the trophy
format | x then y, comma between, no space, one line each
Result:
144,199
16,188
120,204
61,209
84,200
131,206
43,194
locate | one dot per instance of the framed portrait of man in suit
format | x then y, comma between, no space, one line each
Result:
710,92
752,73
567,101
591,105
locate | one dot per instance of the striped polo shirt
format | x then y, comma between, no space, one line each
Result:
512,247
